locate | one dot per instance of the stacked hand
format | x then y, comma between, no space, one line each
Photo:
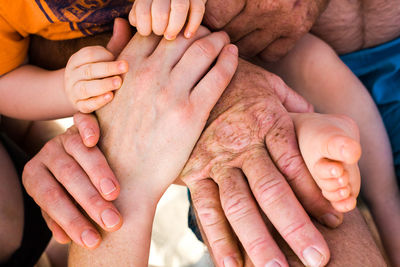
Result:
266,27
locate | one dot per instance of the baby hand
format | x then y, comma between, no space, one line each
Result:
91,76
167,17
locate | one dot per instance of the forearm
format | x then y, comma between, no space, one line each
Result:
130,245
32,93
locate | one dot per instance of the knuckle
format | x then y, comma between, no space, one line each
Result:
261,116
222,76
205,47
180,6
29,174
270,190
85,107
292,229
219,243
233,136
237,206
82,90
207,212
87,52
214,21
73,223
291,164
52,195
73,143
96,201
198,8
69,173
257,246
88,71
161,16
142,9
50,146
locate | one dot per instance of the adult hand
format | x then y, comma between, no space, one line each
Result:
73,161
66,170
251,134
269,27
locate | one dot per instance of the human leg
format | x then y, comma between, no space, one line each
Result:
11,207
315,71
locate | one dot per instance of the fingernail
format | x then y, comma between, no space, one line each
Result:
230,262
107,96
188,35
272,263
90,238
313,257
88,132
110,218
107,186
330,220
233,49
122,66
117,82
334,172
341,181
344,192
169,37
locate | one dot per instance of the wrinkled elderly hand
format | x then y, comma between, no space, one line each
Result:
251,134
269,27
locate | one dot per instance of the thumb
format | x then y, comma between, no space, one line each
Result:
122,34
292,101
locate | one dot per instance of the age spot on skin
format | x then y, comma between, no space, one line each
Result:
233,136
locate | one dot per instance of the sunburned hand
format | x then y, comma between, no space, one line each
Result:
167,17
91,76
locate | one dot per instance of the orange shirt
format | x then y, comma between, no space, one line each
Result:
54,20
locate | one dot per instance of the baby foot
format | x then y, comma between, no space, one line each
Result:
331,149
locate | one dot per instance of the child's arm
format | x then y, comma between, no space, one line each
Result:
167,17
32,93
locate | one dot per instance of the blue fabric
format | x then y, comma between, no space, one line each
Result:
379,70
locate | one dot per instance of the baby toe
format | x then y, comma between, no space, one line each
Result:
326,169
345,205
338,195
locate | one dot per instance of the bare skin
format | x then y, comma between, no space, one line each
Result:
331,149
11,216
348,26
268,27
313,69
278,93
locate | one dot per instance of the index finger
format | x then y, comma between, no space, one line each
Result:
94,164
279,203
